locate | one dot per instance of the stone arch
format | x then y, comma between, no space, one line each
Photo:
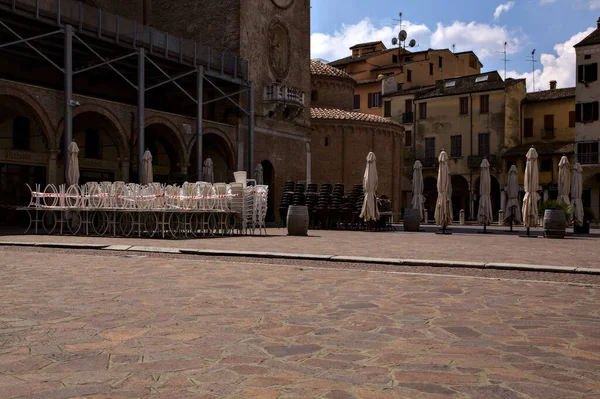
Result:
460,196
217,146
121,138
430,194
168,150
181,142
39,112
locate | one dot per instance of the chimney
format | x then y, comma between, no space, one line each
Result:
598,23
553,85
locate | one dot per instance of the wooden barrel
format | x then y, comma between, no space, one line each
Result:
411,219
297,220
554,223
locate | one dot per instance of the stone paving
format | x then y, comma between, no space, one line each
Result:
132,326
465,245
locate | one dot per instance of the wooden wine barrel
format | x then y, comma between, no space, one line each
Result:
554,223
297,220
411,219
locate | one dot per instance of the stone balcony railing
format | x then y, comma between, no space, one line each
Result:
284,99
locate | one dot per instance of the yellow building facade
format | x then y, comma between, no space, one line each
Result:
548,124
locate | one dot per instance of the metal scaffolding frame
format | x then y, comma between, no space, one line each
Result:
204,73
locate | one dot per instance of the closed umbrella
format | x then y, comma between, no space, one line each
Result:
147,177
208,171
576,191
417,188
564,180
530,202
369,211
258,174
513,213
484,214
443,206
73,164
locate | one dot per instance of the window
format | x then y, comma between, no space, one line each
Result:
571,118
440,62
394,59
430,148
408,105
409,59
356,101
326,141
548,127
546,165
587,73
431,68
408,75
586,112
587,153
387,109
464,105
92,144
482,78
374,100
528,127
450,83
422,110
484,104
588,57
21,133
408,138
455,146
484,144
314,95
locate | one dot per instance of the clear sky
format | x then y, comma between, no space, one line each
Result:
551,27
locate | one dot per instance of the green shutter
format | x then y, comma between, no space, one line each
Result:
580,73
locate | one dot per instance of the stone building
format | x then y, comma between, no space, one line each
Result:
587,122
548,124
254,62
372,64
341,138
472,118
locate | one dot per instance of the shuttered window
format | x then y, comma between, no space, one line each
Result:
528,127
464,105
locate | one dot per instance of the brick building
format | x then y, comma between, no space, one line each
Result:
246,61
341,138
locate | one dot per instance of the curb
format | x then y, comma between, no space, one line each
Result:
316,257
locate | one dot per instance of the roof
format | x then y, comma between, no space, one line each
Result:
367,44
339,114
552,148
549,95
468,84
592,38
350,59
317,68
412,90
367,81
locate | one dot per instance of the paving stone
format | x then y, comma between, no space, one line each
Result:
281,351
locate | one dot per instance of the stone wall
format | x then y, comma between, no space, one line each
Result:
332,93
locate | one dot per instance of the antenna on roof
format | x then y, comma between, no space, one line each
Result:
533,61
504,59
453,47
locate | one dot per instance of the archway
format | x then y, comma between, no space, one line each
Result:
101,147
218,150
167,153
460,196
269,180
24,144
430,194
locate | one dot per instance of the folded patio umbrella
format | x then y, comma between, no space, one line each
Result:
369,209
576,191
418,199
72,164
484,214
564,180
513,213
443,206
146,172
532,179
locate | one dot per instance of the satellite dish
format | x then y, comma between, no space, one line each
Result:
412,43
402,35
394,41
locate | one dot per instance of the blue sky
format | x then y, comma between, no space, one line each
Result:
549,26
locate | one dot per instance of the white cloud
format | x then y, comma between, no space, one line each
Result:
591,4
559,66
503,8
483,39
594,4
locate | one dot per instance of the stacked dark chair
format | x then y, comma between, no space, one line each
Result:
312,203
286,201
322,213
335,207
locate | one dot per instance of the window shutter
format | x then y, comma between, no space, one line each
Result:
370,100
595,110
548,121
591,72
571,118
577,112
387,111
580,73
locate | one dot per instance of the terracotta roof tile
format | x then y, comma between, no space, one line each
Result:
350,59
333,113
548,95
321,69
367,44
469,84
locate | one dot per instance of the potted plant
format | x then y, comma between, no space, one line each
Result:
557,217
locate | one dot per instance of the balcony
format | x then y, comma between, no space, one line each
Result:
283,99
407,117
587,158
474,161
548,134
